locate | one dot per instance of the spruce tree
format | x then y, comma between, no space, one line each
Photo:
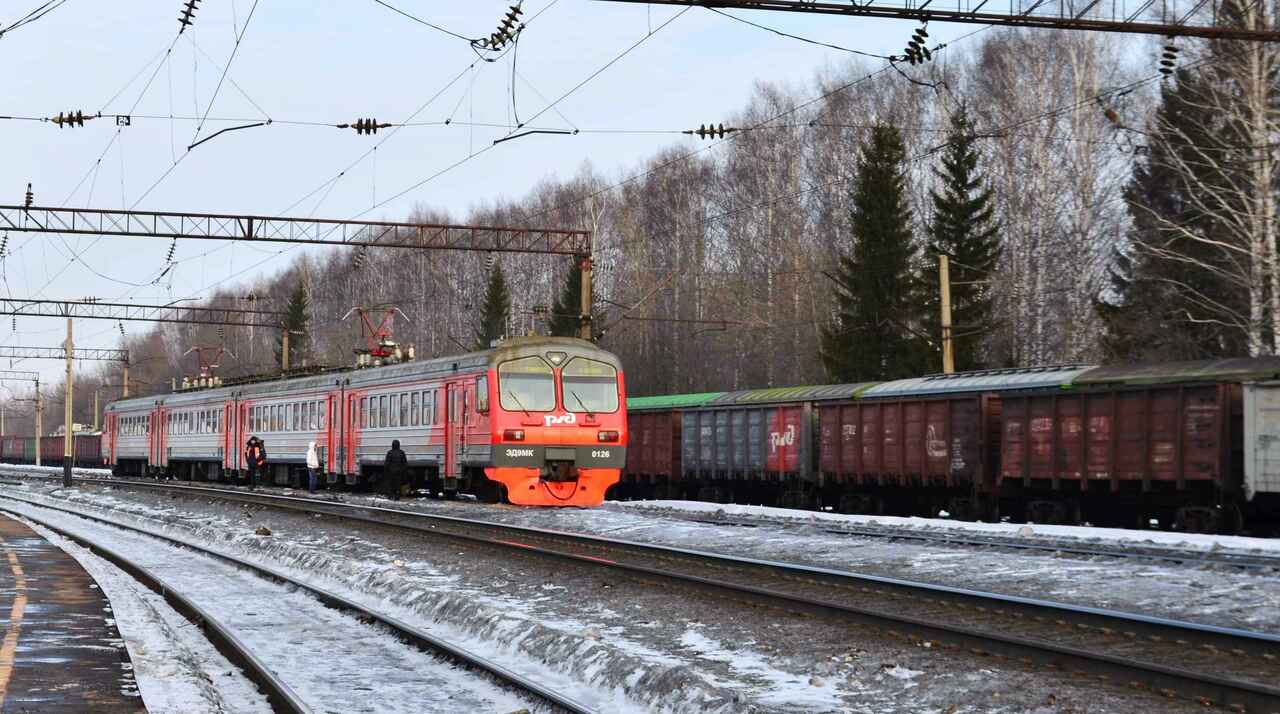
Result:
878,301
565,320
295,322
496,311
1165,288
965,230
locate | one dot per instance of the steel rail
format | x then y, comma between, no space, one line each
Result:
1225,691
421,639
279,694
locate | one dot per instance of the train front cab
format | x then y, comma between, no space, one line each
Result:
559,431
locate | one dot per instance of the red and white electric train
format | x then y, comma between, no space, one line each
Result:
534,421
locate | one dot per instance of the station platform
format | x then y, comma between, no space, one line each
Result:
61,650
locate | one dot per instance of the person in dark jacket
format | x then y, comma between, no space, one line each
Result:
255,457
394,469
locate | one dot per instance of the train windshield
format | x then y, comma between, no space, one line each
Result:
589,386
526,385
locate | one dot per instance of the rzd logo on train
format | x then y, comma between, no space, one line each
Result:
785,438
553,420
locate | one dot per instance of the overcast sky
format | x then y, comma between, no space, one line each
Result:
330,62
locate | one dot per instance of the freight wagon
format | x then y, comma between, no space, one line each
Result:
86,450
1107,445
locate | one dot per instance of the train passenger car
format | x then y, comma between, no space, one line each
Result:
536,421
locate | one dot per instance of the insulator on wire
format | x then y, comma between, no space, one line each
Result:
507,30
71,119
488,262
188,15
364,126
121,326
360,257
1168,59
916,52
4,246
173,247
710,131
31,197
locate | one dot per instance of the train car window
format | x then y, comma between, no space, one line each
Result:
404,409
395,410
383,419
364,413
415,410
324,412
428,416
526,384
589,386
482,394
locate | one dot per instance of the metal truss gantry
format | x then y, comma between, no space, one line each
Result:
119,312
267,229
61,353
1169,18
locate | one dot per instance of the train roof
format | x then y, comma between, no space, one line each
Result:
372,376
1236,369
777,395
990,380
670,401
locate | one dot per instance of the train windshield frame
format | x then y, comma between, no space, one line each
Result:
589,386
527,384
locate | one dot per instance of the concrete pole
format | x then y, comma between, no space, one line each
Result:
126,381
944,277
39,420
585,331
95,410
284,352
67,450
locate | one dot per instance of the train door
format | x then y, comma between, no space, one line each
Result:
230,445
455,436
112,426
351,433
332,432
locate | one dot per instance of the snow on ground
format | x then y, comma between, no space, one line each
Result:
1211,594
19,469
176,668
1084,533
298,637
600,668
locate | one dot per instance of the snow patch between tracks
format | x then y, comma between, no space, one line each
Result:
1190,541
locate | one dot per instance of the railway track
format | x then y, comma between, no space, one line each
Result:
1180,556
1226,667
350,628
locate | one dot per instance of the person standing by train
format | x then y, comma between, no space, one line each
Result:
393,470
313,467
255,457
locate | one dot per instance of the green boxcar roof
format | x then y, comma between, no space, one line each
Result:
670,401
1239,369
775,395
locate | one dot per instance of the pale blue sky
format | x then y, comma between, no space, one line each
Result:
333,62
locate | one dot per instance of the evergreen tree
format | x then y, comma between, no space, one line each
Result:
565,320
964,229
295,322
496,312
873,335
1166,290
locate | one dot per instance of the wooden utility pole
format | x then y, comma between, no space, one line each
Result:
944,277
67,449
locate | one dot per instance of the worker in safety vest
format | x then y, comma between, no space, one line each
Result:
255,457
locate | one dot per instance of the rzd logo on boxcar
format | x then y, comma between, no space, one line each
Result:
785,438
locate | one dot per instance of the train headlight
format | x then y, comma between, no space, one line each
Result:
513,434
607,436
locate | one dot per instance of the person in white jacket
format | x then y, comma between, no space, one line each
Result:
313,467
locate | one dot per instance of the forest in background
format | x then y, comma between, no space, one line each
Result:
1130,216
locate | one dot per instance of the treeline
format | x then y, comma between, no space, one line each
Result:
1092,211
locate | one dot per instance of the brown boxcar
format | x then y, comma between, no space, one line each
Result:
654,468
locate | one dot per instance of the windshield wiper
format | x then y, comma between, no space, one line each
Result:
584,406
519,403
